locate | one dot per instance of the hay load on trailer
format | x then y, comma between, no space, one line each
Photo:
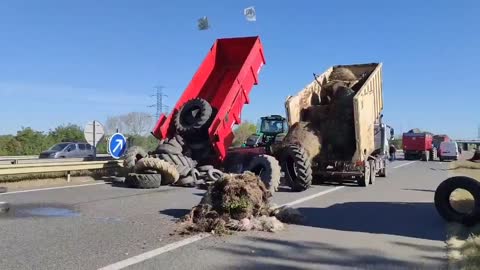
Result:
342,109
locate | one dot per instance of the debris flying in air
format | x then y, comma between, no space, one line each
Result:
250,14
203,23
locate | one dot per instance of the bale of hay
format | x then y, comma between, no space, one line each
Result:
232,199
306,135
342,74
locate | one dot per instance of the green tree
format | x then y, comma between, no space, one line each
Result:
65,133
242,132
31,142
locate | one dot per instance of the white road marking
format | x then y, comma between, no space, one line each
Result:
404,164
52,188
153,253
313,196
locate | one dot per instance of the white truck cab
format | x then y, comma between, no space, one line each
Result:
449,151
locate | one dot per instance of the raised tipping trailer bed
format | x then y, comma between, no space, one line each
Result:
224,80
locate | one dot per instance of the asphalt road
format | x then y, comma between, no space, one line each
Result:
391,225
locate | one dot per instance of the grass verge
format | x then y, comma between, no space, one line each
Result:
463,243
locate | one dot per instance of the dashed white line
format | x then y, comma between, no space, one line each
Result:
52,188
404,164
156,252
313,196
153,253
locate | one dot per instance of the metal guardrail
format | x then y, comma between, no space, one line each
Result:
15,169
35,159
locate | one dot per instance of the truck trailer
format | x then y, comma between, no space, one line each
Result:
369,155
418,145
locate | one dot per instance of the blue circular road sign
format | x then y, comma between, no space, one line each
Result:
117,145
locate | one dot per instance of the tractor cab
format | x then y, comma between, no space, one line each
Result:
270,129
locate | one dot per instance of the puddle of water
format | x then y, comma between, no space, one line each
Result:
49,212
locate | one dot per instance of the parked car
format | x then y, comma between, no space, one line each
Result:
449,151
68,150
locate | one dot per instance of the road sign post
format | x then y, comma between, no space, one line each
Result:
93,133
117,145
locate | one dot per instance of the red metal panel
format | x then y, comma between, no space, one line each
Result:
224,79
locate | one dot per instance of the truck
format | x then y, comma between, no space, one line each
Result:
418,145
369,156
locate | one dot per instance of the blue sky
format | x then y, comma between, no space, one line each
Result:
74,61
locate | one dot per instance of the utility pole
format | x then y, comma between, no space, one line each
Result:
159,98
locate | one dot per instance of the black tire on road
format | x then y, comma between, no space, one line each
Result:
168,171
444,207
214,174
364,180
205,168
373,171
133,155
135,180
268,169
193,117
297,167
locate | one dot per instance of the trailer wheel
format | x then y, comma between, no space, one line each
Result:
297,167
193,117
235,162
133,155
426,155
364,180
268,169
383,171
168,171
373,171
135,180
444,207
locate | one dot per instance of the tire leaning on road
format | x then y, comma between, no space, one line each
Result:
146,181
168,171
444,207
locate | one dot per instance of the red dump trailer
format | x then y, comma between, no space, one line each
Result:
418,145
224,79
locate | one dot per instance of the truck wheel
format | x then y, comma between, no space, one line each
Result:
297,167
268,169
168,171
373,171
135,180
426,155
193,117
364,180
133,155
444,207
383,171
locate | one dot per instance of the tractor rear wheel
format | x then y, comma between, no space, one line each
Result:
268,169
297,167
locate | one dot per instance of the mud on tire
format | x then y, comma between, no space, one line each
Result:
133,155
444,207
268,169
168,171
135,180
297,167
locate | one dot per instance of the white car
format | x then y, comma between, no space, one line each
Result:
449,151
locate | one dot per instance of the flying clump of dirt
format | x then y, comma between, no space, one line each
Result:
237,202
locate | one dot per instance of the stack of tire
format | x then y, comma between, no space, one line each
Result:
175,160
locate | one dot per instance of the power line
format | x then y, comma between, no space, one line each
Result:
159,95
